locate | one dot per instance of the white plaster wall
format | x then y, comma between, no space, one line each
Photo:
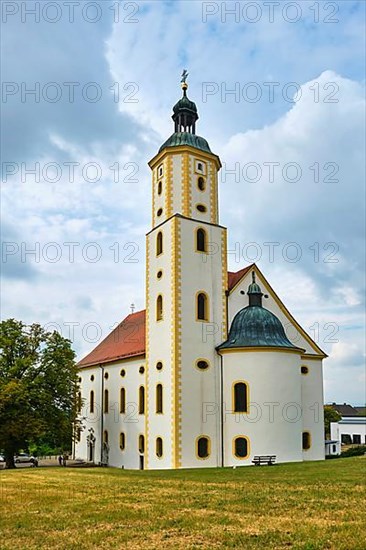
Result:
312,407
131,423
339,428
200,389
160,348
177,202
274,422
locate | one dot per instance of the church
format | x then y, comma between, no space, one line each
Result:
216,370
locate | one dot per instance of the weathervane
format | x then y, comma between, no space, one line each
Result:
132,306
184,76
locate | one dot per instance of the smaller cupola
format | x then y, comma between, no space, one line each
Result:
256,326
185,114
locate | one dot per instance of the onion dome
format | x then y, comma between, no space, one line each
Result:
185,104
185,116
256,326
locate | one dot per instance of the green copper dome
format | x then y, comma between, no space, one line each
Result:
185,104
185,138
255,326
254,289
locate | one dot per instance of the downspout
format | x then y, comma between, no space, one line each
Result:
227,292
222,409
102,415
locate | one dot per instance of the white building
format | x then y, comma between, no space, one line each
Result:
171,387
349,430
332,447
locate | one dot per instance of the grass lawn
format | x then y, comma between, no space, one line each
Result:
315,505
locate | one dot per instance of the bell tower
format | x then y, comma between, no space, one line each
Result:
186,279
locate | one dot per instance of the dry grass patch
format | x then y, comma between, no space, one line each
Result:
308,506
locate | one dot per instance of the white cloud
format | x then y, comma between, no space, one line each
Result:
171,36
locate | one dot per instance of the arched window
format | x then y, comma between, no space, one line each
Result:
160,187
159,398
159,308
122,400
241,447
202,307
106,401
203,447
159,243
92,401
240,397
122,441
79,402
159,447
201,184
141,400
306,441
201,240
141,444
105,436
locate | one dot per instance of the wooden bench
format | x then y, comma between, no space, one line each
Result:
264,459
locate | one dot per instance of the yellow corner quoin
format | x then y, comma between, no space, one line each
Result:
186,186
169,187
176,343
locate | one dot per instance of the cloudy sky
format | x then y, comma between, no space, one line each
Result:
86,102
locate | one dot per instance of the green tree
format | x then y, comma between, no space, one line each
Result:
38,387
330,415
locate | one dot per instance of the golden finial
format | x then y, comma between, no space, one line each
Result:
184,79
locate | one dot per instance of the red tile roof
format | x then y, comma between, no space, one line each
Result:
128,339
235,277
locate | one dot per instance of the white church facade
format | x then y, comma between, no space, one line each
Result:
216,370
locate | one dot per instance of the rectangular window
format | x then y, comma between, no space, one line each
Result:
346,439
356,439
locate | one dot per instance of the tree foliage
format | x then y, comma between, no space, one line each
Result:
330,415
38,387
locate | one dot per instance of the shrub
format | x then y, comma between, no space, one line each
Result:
355,451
